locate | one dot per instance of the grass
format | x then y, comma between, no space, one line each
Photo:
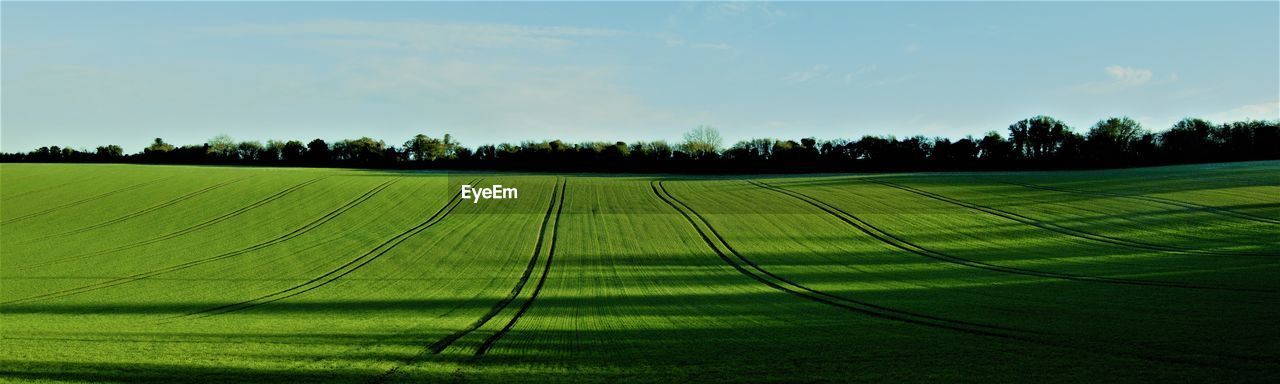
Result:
114,273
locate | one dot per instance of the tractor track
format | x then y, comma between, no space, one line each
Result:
542,280
339,272
444,343
47,188
39,190
907,317
84,200
173,268
1064,230
791,287
1157,200
902,244
144,211
193,228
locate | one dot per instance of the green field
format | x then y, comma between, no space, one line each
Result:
231,274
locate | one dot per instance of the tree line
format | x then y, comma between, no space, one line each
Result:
1039,142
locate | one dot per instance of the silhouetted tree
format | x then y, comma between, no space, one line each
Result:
1187,140
994,148
223,147
1114,140
250,151
948,154
1266,139
702,142
1039,137
158,146
109,153
272,151
1036,142
419,147
364,151
318,152
293,151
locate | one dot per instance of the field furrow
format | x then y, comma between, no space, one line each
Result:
783,284
1158,200
1065,230
183,231
82,201
144,211
439,346
337,273
542,280
907,246
252,274
149,274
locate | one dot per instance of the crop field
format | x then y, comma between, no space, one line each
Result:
126,273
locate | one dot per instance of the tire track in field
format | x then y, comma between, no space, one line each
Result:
1061,229
542,280
764,276
340,271
193,228
918,319
51,187
144,211
85,200
173,268
902,244
39,190
1153,199
444,343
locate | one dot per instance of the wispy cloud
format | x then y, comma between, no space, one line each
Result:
677,42
477,75
857,74
893,80
1128,76
418,37
797,77
754,12
1259,111
422,36
517,96
911,48
1120,78
739,8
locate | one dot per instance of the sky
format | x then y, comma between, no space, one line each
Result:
87,74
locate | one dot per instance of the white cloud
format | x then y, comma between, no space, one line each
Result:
751,12
717,46
737,8
860,76
911,48
346,36
818,70
894,80
1129,76
677,42
1121,78
417,66
420,36
1259,111
1190,93
850,77
502,100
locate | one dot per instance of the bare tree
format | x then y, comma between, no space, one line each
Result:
702,142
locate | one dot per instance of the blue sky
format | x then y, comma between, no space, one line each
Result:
87,74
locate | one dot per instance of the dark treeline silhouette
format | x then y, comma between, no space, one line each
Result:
1039,142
